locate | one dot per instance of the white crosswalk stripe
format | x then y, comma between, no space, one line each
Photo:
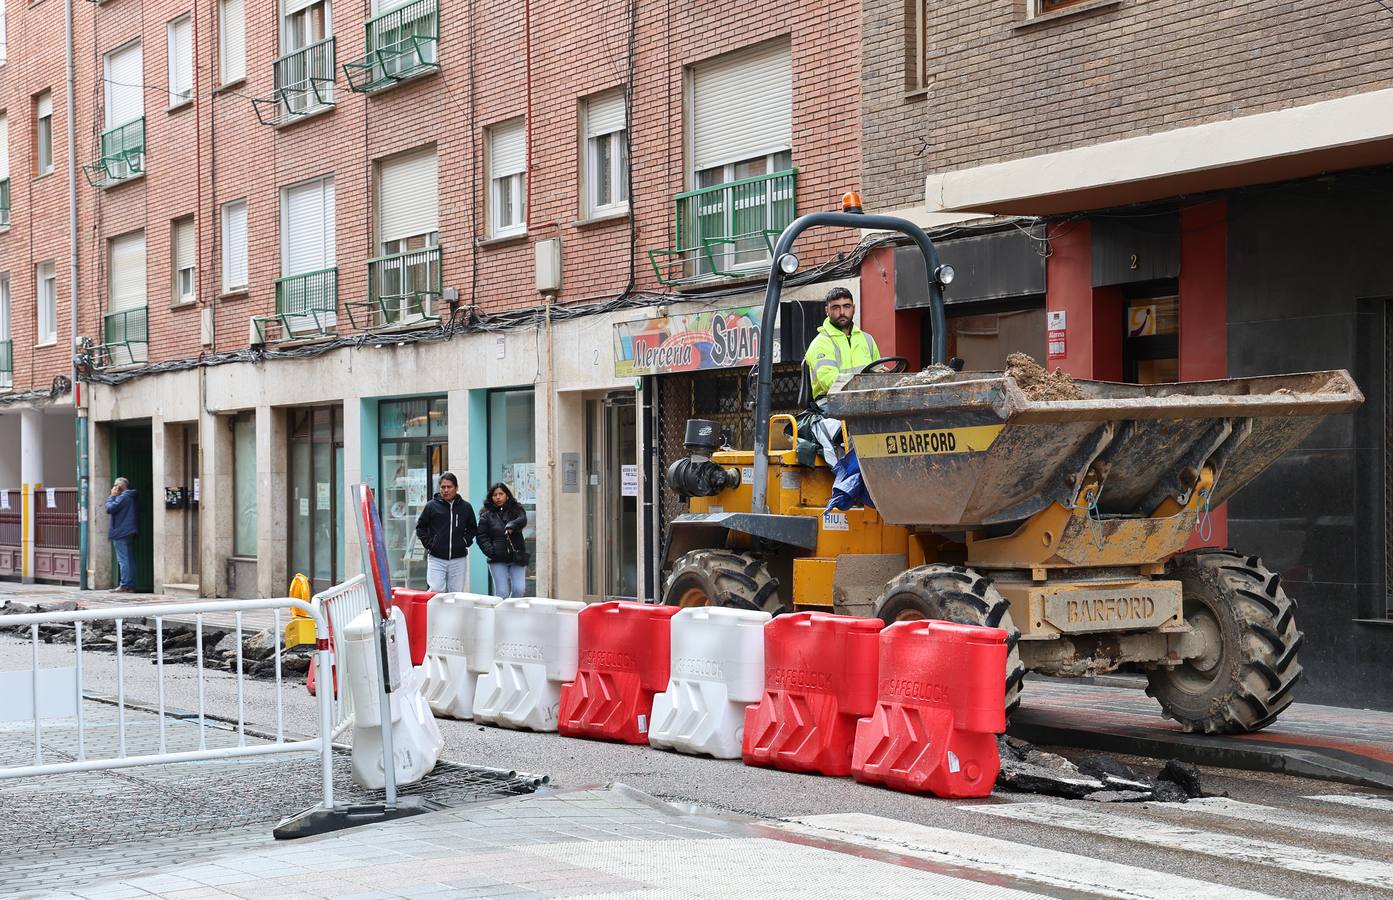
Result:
1270,815
1020,861
1165,835
1377,803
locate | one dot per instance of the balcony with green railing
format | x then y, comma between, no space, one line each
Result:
125,338
307,305
123,155
727,230
403,288
4,203
402,43
7,363
304,84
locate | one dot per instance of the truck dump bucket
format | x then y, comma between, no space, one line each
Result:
974,449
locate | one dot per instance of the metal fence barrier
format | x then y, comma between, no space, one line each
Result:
336,607
42,687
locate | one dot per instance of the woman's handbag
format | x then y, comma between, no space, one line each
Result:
520,554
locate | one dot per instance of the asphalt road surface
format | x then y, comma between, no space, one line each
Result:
1273,835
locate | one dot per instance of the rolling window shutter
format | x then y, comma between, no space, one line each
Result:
4,146
309,227
604,114
45,105
407,196
742,105
184,249
125,86
128,272
234,254
234,43
181,58
507,149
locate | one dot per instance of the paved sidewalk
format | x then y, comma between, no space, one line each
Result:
600,843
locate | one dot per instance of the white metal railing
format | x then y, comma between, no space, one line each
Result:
321,744
336,607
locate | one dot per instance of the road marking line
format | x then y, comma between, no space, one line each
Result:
1019,861
1164,835
1268,815
1378,803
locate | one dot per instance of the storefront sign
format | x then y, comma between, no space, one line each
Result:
1055,340
721,339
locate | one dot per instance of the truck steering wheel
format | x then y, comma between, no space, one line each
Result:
887,365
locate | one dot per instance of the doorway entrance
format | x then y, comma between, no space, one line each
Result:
131,457
611,497
411,450
315,491
189,484
1151,343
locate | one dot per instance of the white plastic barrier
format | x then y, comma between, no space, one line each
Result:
416,739
717,670
459,631
535,650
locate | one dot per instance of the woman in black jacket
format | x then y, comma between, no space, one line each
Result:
500,537
446,528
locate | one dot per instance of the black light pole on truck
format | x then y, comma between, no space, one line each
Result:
784,265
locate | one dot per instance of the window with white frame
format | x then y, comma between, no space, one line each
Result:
126,322
4,41
742,161
1040,7
305,72
234,246
46,303
606,171
307,242
7,358
125,84
407,272
183,246
180,45
232,41
4,170
43,133
507,200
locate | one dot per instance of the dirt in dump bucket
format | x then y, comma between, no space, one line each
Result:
1040,384
934,373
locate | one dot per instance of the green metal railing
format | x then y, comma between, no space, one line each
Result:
306,304
125,338
7,363
304,83
4,203
401,288
401,44
123,155
728,229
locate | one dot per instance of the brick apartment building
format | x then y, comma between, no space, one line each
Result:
320,244
1177,192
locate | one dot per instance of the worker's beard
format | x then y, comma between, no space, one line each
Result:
842,322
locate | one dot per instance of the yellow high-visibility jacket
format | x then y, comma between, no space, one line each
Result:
833,352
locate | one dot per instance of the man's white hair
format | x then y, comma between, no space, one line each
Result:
123,481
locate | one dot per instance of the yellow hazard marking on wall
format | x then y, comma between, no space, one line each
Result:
932,442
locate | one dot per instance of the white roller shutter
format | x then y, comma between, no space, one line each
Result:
127,274
180,60
307,220
125,85
233,59
604,114
4,146
507,149
234,250
742,105
184,250
407,195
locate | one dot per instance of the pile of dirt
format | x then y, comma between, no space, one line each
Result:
1040,384
930,375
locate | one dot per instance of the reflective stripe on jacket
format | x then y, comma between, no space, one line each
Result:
832,352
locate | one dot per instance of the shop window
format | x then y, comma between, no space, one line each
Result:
1151,344
316,489
244,485
984,340
513,459
412,436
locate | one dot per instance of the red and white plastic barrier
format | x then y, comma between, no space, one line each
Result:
458,647
623,663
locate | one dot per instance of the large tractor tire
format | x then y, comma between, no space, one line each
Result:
956,594
1243,678
723,578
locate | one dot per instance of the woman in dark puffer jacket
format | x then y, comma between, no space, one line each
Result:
500,537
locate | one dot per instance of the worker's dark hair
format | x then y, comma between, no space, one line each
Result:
450,477
837,293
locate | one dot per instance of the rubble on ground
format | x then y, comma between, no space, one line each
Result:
178,641
1040,384
1096,777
